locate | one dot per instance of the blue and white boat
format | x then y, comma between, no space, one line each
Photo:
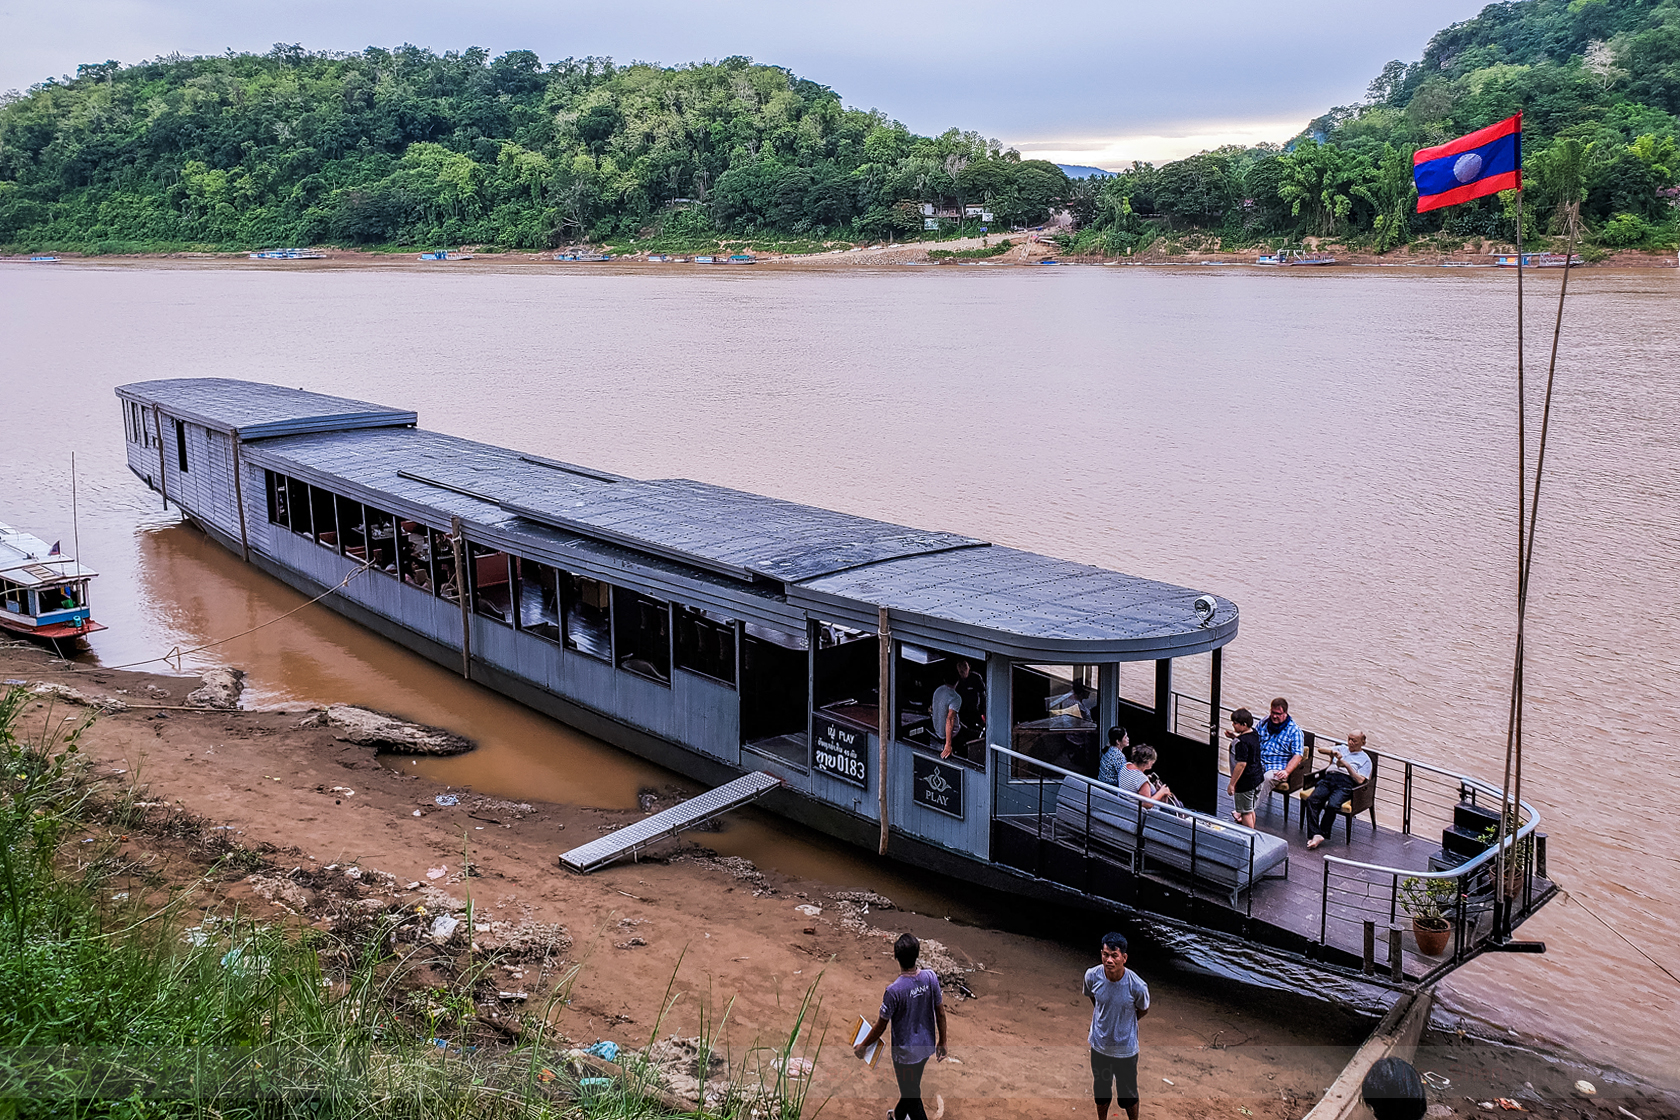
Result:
287,255
43,591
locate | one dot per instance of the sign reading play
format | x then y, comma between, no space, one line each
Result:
937,785
841,752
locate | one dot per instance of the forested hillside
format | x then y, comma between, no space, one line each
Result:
408,147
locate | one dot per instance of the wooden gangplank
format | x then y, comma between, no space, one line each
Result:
667,823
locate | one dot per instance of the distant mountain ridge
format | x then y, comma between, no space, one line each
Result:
1080,171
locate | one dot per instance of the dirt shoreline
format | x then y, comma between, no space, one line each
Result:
311,808
1024,251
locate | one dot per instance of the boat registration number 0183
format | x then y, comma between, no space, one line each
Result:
841,752
938,785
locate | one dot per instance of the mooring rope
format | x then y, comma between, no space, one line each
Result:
1618,933
175,654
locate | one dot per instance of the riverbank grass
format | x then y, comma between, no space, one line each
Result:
140,1003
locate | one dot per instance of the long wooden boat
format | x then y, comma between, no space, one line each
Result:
43,591
719,633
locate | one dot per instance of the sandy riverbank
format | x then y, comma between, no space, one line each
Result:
309,807
1024,251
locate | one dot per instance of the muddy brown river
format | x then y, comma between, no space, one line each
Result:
1335,452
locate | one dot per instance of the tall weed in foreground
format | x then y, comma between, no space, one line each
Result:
131,1004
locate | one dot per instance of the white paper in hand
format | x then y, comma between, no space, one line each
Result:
861,1032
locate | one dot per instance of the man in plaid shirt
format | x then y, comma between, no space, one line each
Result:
1280,742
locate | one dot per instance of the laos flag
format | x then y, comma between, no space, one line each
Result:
1487,161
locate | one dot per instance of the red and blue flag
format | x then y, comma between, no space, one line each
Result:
1487,161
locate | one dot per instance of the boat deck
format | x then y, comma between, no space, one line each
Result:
1318,909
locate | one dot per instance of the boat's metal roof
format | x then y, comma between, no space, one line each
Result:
1031,605
709,539
255,411
25,559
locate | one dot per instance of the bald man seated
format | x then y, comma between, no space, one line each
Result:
1349,768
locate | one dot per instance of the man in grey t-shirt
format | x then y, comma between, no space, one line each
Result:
1119,998
945,712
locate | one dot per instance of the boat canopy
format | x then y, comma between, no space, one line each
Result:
255,411
26,560
746,554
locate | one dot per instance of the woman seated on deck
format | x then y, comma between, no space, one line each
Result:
1134,779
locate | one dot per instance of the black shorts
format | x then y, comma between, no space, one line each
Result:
1114,1079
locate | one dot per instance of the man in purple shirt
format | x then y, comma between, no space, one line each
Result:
915,1007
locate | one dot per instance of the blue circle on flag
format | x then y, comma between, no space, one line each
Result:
1469,166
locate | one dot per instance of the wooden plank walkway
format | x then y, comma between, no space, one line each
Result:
662,825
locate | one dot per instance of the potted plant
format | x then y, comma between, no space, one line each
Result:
1517,856
1427,901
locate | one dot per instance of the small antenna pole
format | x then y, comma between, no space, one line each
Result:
75,522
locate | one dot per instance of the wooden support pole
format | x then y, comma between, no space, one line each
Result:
239,500
163,478
1370,957
1395,970
461,594
884,723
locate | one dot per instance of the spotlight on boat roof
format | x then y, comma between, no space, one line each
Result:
1205,606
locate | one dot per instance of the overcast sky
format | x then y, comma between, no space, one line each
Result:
1078,81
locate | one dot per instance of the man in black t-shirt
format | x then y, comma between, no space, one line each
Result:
971,686
1247,771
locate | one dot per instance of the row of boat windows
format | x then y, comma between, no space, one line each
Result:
784,678
17,599
134,421
580,613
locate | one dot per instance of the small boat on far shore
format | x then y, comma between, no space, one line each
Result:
742,258
1538,260
1293,257
43,593
705,260
43,260
445,255
287,255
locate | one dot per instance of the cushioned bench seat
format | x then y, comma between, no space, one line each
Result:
1227,855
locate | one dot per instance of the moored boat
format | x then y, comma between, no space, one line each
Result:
723,634
43,592
1295,257
1539,260
287,255
705,260
445,255
742,258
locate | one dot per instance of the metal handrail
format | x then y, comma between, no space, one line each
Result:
1204,820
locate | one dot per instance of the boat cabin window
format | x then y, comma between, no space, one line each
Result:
181,445
352,532
775,692
134,415
706,643
278,513
642,631
65,598
298,503
416,554
491,584
443,566
538,588
921,671
324,516
589,617
13,598
1053,713
382,540
846,675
